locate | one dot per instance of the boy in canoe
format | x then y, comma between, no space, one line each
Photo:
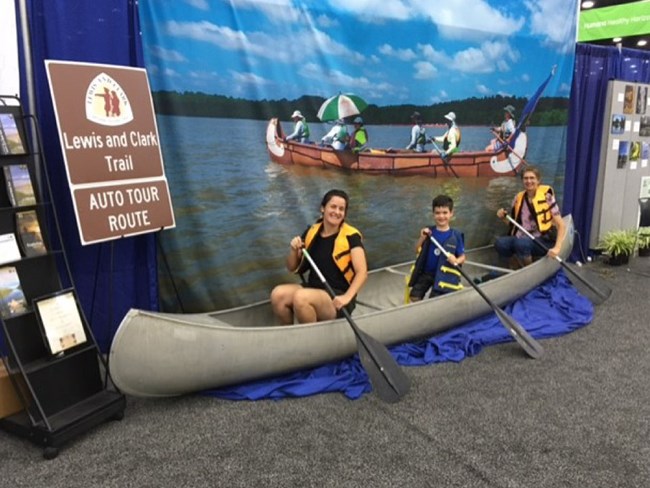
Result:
432,271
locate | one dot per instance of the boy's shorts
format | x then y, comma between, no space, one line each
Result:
422,285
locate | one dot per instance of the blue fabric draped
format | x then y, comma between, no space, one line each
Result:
110,277
594,67
553,309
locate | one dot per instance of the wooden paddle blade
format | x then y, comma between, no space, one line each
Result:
386,377
587,283
531,346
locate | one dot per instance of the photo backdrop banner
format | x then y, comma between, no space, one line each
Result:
220,70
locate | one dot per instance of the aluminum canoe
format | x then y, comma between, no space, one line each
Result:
157,354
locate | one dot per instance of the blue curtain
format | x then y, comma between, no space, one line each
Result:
110,277
594,67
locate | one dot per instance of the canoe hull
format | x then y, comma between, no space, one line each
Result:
398,162
160,354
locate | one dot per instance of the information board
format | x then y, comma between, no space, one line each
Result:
109,137
624,166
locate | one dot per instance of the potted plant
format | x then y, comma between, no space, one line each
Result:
644,241
618,245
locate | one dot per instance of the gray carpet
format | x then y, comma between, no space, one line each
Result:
577,417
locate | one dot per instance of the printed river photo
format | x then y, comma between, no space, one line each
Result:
236,211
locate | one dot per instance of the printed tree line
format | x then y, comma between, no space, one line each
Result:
471,111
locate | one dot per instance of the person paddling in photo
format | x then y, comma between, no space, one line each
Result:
503,131
338,137
337,249
536,210
418,134
301,129
450,140
432,270
359,139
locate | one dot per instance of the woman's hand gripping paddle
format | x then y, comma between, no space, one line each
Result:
386,376
531,346
587,283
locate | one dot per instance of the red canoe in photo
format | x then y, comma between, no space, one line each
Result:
463,164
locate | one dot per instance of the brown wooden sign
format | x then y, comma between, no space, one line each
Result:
111,148
121,210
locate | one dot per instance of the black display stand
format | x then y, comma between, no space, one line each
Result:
64,394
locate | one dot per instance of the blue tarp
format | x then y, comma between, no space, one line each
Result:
553,309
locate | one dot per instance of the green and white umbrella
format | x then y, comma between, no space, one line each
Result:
341,106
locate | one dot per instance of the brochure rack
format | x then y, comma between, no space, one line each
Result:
66,389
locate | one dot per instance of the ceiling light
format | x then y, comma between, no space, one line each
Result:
587,4
642,42
617,39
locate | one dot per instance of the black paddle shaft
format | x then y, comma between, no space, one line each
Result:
587,283
524,339
386,376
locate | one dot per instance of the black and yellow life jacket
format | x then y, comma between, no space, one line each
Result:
540,208
447,277
341,252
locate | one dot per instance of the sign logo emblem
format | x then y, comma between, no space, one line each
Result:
106,102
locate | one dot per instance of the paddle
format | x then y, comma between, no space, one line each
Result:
444,157
491,268
386,376
531,346
587,283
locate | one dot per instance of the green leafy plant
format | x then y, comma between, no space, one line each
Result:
618,243
644,238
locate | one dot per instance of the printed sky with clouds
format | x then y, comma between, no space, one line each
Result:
390,51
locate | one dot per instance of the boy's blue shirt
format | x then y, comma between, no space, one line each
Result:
433,255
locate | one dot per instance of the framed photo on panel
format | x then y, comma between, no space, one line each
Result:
60,319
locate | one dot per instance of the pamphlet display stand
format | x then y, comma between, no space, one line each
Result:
47,345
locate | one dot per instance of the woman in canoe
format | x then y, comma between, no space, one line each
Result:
536,210
337,249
